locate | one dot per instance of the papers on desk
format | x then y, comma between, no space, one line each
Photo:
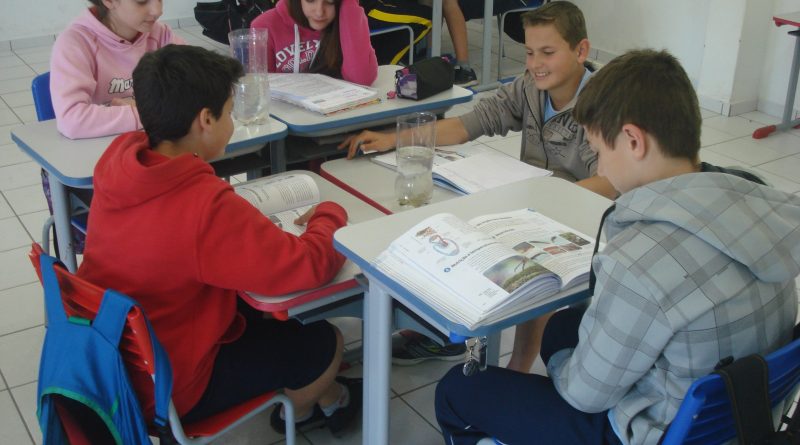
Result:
319,93
491,267
472,167
282,198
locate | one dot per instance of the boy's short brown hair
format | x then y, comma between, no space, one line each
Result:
565,16
649,89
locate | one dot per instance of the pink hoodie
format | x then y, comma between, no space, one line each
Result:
89,66
359,63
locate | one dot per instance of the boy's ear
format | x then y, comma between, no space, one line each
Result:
205,119
582,50
635,140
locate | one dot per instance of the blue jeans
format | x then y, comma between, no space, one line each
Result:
517,408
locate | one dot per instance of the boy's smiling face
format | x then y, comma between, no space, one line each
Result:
554,66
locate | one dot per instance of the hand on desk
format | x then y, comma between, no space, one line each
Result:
303,219
368,141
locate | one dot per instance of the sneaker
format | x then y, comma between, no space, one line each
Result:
317,420
343,417
418,350
465,77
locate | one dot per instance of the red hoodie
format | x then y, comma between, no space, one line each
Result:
359,63
170,234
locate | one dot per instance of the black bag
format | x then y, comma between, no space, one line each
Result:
220,18
424,78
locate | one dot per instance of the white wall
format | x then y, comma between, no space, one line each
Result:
777,61
33,18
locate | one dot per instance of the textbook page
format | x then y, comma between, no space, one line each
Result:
442,154
484,171
319,93
555,246
282,199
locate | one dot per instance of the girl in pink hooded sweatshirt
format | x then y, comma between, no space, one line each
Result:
92,62
320,36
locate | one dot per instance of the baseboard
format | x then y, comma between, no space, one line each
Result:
776,109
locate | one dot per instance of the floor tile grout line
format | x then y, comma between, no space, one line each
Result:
18,285
19,412
424,419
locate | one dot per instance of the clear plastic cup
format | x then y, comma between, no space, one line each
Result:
251,92
416,141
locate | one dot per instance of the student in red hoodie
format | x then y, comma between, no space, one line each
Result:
320,36
169,233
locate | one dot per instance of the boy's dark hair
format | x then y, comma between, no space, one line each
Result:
649,89
329,57
173,84
565,16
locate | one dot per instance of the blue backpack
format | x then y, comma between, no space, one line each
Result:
82,371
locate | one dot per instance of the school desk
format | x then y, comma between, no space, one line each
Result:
791,19
305,123
71,163
361,243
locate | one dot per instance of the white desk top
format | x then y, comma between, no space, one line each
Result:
557,198
72,161
303,122
357,211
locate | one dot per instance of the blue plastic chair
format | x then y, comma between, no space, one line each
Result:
43,104
705,416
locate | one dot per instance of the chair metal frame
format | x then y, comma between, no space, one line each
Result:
501,20
388,29
82,299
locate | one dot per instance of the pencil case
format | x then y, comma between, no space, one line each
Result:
424,78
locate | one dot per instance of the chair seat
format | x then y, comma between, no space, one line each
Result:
216,423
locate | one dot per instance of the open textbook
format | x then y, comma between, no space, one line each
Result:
282,198
318,92
490,267
472,167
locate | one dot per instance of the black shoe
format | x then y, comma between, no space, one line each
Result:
465,77
420,349
343,417
317,420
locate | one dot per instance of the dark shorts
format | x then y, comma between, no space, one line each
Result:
270,355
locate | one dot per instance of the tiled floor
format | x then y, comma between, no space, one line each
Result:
725,141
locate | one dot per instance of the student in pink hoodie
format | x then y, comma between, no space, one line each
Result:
320,36
92,62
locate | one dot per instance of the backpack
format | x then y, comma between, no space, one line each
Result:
82,374
220,18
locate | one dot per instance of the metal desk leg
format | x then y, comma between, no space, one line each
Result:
493,348
487,83
377,361
58,193
786,122
436,29
277,156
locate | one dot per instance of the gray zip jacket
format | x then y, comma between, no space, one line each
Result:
558,145
697,267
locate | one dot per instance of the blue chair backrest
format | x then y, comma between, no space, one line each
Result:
40,87
705,416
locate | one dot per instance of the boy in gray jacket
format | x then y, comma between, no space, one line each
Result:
698,266
539,103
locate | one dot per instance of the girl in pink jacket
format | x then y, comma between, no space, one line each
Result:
92,62
320,36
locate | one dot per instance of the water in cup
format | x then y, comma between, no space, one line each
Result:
414,184
251,99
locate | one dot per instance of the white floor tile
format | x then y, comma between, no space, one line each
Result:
33,223
10,154
27,199
7,117
14,85
36,56
746,151
5,210
15,269
15,72
26,113
787,167
12,234
255,431
734,125
25,397
410,378
707,113
27,302
761,117
12,429
422,401
712,136
19,356
19,175
8,60
782,142
40,67
405,427
33,45
5,133
18,99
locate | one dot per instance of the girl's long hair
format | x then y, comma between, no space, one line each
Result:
329,56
